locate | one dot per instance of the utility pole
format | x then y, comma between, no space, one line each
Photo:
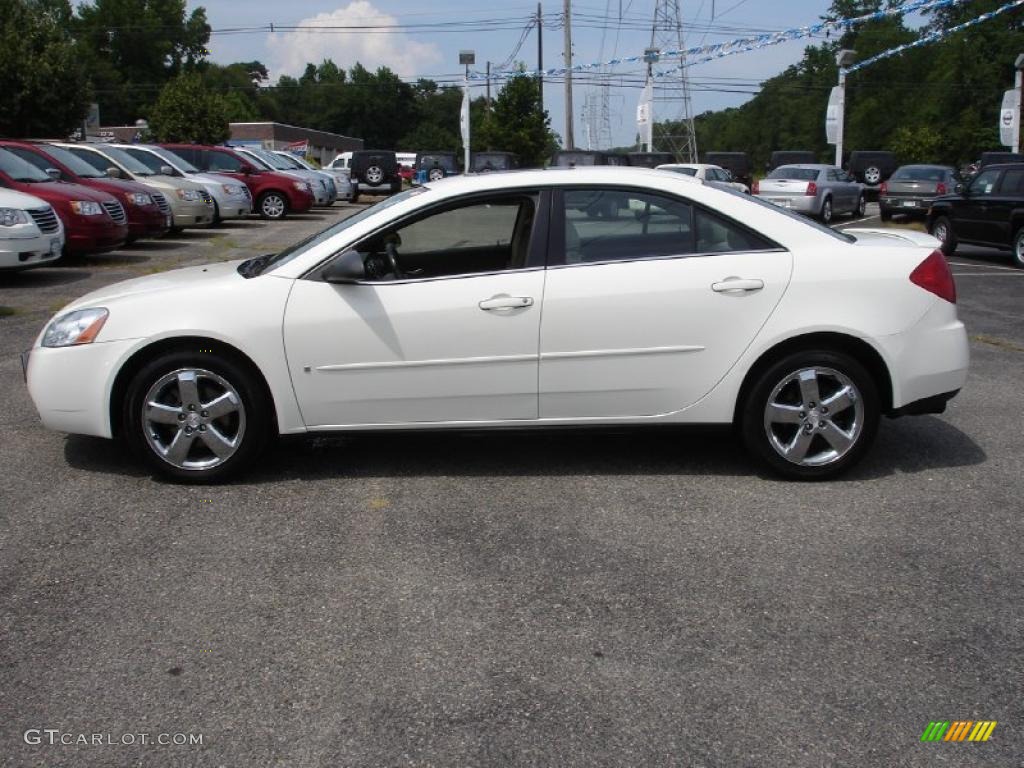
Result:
570,143
488,86
540,58
1019,85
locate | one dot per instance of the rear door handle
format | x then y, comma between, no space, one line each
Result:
506,302
737,286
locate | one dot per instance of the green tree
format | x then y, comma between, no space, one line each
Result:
187,111
518,123
133,47
45,92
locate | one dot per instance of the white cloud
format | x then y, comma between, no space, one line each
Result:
291,51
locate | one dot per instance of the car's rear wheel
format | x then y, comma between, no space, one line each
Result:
811,415
1018,248
942,230
862,207
272,205
826,211
195,416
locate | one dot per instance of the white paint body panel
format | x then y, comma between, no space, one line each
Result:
624,342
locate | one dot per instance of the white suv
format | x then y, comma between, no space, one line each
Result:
31,233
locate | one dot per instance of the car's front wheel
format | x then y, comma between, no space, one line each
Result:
811,415
1018,248
272,205
196,416
942,230
862,207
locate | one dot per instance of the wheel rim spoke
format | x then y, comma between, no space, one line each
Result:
216,442
188,388
840,441
158,413
784,414
177,451
840,401
809,387
222,406
797,449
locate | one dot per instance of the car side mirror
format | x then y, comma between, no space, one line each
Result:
960,189
248,170
114,172
166,170
53,173
347,269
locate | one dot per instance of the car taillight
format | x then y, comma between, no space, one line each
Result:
940,188
934,276
883,188
756,187
812,189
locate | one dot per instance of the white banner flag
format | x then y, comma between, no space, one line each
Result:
1009,117
645,116
833,115
464,117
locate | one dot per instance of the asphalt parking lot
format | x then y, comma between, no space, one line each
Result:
446,600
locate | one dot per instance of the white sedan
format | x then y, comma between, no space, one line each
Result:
706,172
495,300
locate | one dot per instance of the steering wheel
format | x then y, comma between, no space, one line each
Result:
391,249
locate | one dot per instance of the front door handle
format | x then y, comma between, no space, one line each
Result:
737,286
506,302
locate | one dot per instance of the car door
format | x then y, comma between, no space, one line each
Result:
647,309
1002,206
973,211
839,189
452,339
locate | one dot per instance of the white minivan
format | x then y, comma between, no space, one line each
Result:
31,233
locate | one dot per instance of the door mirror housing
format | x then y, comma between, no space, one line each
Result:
114,172
166,170
248,170
53,173
347,269
960,189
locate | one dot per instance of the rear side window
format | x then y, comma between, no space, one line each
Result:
1013,182
620,225
795,174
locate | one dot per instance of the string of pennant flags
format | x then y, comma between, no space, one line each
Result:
706,53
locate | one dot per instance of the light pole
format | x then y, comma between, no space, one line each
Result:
844,59
466,58
1018,83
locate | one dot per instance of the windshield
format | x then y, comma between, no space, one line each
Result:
20,170
126,161
920,174
291,162
255,159
261,264
75,164
147,158
794,173
275,162
177,161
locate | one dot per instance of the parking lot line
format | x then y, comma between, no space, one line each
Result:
976,265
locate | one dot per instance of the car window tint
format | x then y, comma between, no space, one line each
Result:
718,235
222,161
618,225
794,174
1013,181
920,174
985,183
37,160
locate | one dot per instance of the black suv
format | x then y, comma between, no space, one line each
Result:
437,164
989,210
375,172
871,168
484,162
791,157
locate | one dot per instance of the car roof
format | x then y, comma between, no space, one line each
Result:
810,166
558,175
1001,166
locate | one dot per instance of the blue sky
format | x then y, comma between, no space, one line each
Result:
435,53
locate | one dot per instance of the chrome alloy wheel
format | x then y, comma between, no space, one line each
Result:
272,206
374,174
940,232
814,417
193,419
872,175
1018,248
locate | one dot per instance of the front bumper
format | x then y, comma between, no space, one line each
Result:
95,237
23,252
146,223
192,214
70,386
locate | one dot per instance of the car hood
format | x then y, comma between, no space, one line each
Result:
9,198
176,279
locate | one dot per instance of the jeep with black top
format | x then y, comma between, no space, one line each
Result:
375,172
871,168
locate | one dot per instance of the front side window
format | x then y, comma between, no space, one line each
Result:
222,161
1012,183
985,183
19,169
488,235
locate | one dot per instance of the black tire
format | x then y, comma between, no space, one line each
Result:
756,433
216,213
826,213
1018,248
355,198
941,225
861,209
253,415
175,230
884,214
272,205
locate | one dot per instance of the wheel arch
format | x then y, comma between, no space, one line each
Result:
857,348
142,356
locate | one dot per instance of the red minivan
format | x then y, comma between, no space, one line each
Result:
145,217
94,221
275,194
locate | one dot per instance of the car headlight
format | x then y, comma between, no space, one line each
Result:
302,186
189,195
233,190
12,217
86,208
78,327
139,198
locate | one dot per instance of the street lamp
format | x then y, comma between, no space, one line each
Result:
844,59
466,58
1018,83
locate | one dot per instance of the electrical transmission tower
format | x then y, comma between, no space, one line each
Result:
597,113
673,90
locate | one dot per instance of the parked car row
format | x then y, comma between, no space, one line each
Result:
61,198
